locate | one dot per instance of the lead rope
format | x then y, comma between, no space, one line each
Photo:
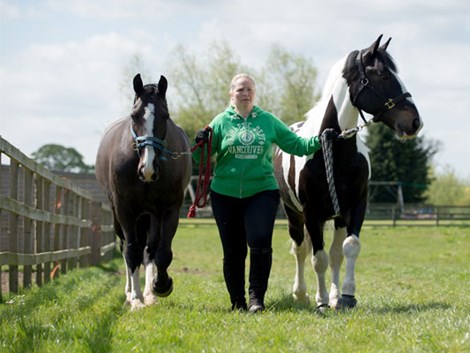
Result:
327,149
200,197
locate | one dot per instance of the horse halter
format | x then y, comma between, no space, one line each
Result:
389,103
142,141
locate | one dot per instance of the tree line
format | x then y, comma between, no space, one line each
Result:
286,86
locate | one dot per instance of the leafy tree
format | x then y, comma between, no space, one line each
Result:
288,84
285,86
60,158
448,189
202,84
135,65
406,162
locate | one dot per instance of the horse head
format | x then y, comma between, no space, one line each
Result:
376,88
149,125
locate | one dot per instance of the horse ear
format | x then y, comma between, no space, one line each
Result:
162,86
138,85
385,45
374,46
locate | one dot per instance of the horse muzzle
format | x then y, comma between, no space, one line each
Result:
147,175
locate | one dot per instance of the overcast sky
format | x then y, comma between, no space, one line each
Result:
61,62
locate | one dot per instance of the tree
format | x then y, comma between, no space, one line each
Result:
406,162
448,189
135,65
60,158
288,85
202,84
285,87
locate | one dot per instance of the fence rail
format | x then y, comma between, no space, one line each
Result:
418,215
49,225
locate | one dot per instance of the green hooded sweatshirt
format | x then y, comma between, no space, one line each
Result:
244,151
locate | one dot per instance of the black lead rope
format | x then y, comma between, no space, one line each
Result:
327,149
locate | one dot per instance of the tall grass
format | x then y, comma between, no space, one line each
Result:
412,291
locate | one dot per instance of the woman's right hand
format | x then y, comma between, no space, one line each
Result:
202,135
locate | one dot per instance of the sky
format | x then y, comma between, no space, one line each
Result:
62,62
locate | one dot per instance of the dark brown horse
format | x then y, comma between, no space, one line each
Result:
365,80
140,166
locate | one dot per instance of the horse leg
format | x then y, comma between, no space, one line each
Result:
301,246
134,295
132,252
149,297
336,259
351,250
319,262
143,227
132,288
299,290
122,246
320,265
162,282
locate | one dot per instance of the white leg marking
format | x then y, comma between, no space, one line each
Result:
149,297
336,259
320,265
351,249
127,288
136,297
299,290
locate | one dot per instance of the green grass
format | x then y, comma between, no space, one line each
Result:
412,291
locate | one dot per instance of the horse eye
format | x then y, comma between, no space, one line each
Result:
385,75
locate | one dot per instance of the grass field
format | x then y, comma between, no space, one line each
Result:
412,291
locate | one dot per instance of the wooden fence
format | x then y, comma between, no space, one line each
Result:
49,225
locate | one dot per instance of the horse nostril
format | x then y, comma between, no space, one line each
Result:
416,124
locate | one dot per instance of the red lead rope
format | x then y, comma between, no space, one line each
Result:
200,198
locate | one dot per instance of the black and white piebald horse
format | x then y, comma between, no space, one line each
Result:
144,175
364,80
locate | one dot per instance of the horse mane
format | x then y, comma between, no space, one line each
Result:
315,115
345,70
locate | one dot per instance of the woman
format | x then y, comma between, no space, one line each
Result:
244,191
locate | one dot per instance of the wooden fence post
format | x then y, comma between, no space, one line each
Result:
40,227
96,220
13,269
86,234
28,231
47,230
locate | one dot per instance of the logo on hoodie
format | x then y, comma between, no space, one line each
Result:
246,141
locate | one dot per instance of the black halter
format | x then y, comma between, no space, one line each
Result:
389,103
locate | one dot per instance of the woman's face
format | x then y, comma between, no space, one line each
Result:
242,94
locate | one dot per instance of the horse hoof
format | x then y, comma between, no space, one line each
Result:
322,308
163,290
150,299
136,304
301,299
346,302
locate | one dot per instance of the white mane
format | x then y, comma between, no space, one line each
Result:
337,87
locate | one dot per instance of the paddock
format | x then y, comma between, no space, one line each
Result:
413,298
40,241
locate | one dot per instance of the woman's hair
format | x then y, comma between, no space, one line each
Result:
236,77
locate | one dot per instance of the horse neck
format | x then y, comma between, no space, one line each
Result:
345,114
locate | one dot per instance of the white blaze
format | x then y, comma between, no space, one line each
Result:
148,153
